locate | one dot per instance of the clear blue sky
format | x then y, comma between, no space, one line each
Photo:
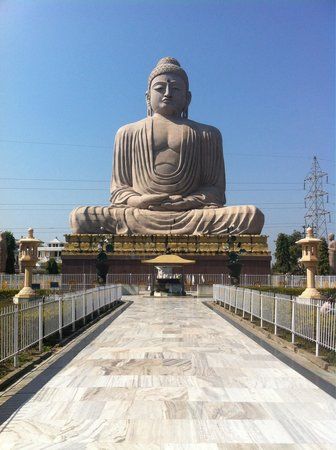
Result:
74,71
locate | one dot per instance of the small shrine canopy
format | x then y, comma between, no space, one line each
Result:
163,260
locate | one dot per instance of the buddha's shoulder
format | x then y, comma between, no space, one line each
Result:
202,127
131,128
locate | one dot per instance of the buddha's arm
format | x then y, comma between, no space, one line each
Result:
121,184
211,192
212,189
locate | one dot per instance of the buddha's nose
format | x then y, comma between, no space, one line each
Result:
167,91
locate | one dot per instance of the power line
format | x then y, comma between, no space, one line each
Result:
14,141
66,209
67,228
104,190
107,181
75,203
268,155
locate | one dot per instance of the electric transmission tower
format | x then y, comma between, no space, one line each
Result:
316,214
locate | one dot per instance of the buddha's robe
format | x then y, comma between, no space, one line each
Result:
199,177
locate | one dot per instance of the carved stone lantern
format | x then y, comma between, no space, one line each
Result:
309,259
28,258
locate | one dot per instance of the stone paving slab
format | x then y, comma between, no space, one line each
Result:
171,374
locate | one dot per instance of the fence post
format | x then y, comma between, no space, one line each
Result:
275,314
84,305
252,306
92,303
244,302
293,321
16,335
229,302
40,329
236,301
317,349
60,318
73,313
261,311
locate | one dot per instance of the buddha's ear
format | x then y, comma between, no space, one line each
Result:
188,98
149,109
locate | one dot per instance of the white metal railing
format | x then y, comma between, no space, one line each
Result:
300,317
77,281
27,324
322,281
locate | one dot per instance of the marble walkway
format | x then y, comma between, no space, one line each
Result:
172,374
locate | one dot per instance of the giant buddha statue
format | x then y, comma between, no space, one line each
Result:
168,174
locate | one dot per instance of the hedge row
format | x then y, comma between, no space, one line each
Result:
327,292
6,294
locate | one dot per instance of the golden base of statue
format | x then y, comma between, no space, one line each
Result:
125,252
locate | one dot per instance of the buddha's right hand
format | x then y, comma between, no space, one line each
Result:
147,201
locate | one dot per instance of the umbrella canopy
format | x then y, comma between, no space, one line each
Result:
163,260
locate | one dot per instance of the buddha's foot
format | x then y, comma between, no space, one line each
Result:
245,219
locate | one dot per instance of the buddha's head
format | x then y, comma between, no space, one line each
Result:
168,89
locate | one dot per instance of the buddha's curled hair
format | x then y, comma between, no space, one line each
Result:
168,65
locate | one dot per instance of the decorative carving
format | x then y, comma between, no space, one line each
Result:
157,244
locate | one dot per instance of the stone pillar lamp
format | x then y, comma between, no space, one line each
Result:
28,258
309,259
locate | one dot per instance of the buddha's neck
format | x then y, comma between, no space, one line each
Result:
162,118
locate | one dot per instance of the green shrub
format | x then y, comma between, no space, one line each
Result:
292,291
7,294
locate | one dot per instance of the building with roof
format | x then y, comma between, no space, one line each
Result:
52,249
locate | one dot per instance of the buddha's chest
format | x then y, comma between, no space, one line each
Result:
167,142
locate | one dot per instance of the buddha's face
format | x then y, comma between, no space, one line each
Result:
169,95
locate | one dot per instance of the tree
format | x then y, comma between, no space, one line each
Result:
323,267
11,247
295,253
282,254
288,253
102,267
52,267
234,266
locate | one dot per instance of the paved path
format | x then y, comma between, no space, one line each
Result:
172,374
